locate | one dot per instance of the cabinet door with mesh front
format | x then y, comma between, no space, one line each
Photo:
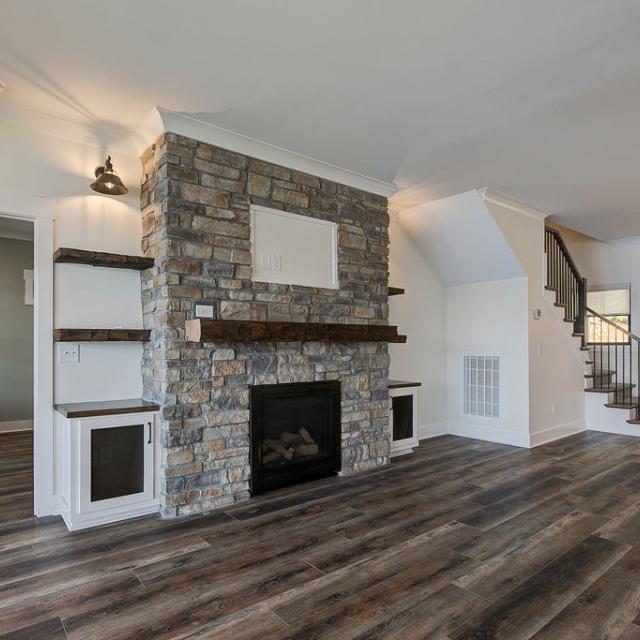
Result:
116,461
402,407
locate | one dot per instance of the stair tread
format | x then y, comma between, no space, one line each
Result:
633,421
600,374
611,389
622,405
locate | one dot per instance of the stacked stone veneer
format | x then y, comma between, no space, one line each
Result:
196,224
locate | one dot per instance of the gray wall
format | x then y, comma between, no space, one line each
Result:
16,332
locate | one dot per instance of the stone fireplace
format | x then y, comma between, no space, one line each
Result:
196,201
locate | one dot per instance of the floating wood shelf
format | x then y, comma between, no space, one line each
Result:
395,291
205,330
101,335
402,384
105,408
99,259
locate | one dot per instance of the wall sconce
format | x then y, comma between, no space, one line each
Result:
107,180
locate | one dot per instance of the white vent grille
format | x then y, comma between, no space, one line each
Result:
482,386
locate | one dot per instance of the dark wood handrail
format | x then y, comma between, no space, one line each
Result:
633,336
565,252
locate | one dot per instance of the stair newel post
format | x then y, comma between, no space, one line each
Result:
624,369
581,319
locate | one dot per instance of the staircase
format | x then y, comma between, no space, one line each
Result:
611,353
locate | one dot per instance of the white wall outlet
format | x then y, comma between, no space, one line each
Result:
204,311
68,353
539,349
554,408
270,261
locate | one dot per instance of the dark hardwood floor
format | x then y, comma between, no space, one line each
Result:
16,475
463,539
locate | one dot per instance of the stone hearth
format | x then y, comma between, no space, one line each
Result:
195,207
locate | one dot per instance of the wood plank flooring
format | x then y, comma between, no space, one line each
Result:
16,475
461,540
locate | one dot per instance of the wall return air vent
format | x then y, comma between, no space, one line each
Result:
481,386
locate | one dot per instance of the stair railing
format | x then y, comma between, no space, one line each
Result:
613,350
564,278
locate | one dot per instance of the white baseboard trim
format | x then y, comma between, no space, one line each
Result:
16,425
514,438
632,430
557,432
432,430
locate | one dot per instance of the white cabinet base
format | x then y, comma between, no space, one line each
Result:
405,445
77,521
78,508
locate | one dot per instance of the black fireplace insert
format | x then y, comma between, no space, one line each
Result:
295,433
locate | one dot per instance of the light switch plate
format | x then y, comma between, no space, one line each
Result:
204,311
68,353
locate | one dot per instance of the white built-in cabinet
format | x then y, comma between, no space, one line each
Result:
403,417
107,468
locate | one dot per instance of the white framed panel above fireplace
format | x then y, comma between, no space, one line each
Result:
290,248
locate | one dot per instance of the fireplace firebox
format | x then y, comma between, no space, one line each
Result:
295,433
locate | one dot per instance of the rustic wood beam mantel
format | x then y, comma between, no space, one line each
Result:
101,335
101,259
205,330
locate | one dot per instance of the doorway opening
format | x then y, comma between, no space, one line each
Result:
16,367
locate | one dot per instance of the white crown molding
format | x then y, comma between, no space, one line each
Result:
622,241
496,197
161,121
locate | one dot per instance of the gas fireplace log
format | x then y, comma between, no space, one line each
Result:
306,436
276,445
306,449
271,456
290,439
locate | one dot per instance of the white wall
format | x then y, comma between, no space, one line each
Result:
59,170
625,267
419,314
489,318
556,369
461,240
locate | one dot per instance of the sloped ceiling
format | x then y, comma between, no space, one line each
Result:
539,100
461,241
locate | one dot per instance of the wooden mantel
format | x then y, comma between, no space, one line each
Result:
205,330
101,259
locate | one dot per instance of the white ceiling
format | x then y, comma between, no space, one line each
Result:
538,100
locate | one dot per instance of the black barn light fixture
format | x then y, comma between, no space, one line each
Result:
107,180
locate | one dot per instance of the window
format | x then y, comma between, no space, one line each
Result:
482,386
614,303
